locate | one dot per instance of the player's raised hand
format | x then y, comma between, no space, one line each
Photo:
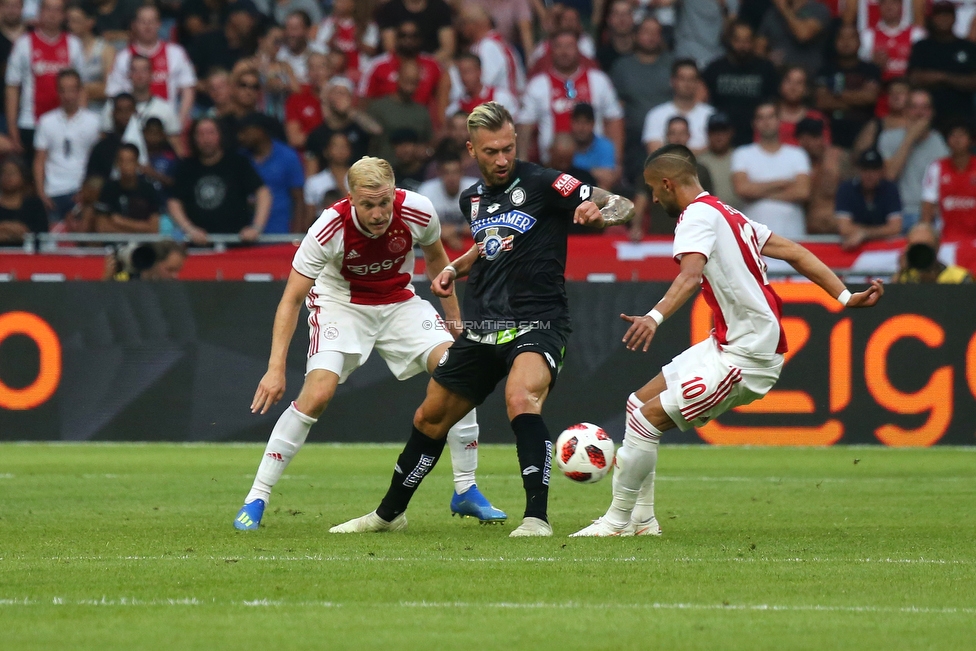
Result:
640,332
270,390
588,214
869,297
443,284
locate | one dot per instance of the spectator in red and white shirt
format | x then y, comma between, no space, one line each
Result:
174,79
500,65
949,188
551,96
471,92
889,43
302,110
869,13
32,73
434,88
794,90
342,32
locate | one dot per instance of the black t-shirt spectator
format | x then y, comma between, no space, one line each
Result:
845,125
606,54
117,20
101,160
850,202
737,88
215,197
211,50
956,57
6,47
429,21
318,138
31,214
230,125
140,202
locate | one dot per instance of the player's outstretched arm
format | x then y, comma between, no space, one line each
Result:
813,268
436,260
605,209
443,284
272,385
642,328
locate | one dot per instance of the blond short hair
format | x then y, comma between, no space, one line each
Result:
490,116
371,174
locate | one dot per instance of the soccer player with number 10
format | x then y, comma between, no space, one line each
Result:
720,250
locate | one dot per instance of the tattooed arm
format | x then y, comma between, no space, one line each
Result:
605,209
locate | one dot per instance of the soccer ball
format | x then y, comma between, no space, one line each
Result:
584,453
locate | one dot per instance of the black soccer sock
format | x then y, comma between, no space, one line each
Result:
418,458
535,460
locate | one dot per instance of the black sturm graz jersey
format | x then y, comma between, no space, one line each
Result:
520,229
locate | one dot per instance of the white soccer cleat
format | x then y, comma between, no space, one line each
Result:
531,527
371,523
600,529
647,528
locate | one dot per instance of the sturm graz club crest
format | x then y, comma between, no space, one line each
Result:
493,244
518,197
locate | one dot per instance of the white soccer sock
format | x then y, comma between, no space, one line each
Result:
287,437
636,460
463,442
644,508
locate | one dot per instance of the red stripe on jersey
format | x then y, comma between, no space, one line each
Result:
736,221
413,220
721,327
329,232
159,60
420,217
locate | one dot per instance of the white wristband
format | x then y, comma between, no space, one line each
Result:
844,297
451,268
657,316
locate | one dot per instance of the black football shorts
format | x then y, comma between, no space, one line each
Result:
472,369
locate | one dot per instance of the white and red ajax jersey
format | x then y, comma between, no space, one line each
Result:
468,103
171,71
34,64
869,13
549,101
350,265
954,192
896,43
746,310
340,34
500,67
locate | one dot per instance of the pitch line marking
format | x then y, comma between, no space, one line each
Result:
319,558
274,603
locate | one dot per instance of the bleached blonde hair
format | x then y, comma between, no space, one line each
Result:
490,116
371,174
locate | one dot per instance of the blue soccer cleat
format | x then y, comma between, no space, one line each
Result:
472,504
249,517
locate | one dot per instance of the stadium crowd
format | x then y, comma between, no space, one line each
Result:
198,117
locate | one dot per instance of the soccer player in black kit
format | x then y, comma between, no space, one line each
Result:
515,310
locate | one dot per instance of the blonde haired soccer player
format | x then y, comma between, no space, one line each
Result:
353,271
721,251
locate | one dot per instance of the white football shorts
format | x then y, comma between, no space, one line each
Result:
403,333
705,381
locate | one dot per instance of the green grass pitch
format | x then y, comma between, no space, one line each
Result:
131,547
